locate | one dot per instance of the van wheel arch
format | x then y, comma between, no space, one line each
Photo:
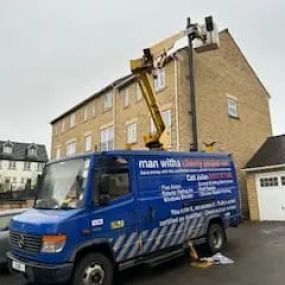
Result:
103,248
216,235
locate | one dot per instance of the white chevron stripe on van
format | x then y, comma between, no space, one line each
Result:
118,242
168,236
177,234
127,246
156,243
149,240
136,248
197,228
192,228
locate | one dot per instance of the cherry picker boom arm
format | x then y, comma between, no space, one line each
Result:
145,67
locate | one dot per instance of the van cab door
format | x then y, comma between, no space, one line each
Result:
115,217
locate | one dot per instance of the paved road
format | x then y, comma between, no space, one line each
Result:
257,249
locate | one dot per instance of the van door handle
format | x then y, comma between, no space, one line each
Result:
150,213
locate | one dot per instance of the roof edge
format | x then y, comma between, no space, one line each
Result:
90,98
253,169
247,62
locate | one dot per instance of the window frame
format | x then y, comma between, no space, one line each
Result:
62,126
132,129
89,136
85,114
108,101
93,109
159,82
27,163
72,121
138,91
58,151
107,129
232,112
269,181
12,164
126,92
103,170
67,145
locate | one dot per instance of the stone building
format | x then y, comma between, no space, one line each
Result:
20,165
232,109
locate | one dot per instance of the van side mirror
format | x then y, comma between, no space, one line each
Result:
104,197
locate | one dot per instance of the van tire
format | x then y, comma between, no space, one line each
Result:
93,267
216,237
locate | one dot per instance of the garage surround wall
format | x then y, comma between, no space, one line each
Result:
252,197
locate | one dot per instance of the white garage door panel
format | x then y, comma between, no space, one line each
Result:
271,198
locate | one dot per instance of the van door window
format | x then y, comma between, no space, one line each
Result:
116,169
119,182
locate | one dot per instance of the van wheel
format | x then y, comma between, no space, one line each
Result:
216,237
93,269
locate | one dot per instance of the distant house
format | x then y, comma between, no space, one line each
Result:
266,181
20,165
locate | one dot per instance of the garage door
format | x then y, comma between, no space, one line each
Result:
271,196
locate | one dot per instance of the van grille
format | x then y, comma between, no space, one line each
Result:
25,242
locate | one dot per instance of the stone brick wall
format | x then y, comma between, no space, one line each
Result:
6,205
252,197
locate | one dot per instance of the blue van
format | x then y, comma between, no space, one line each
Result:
104,211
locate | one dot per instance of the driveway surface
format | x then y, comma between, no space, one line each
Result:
257,249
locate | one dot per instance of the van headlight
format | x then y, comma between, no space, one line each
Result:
53,243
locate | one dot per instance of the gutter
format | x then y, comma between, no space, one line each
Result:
263,168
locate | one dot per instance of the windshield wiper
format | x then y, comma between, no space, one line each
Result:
44,208
66,208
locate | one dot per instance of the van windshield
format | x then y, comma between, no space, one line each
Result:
63,184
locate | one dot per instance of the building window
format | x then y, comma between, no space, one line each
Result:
283,180
138,92
8,147
58,153
108,101
88,143
33,150
233,108
126,97
107,138
12,164
62,125
93,109
159,81
55,130
70,148
40,166
27,165
132,133
269,182
72,121
85,114
166,116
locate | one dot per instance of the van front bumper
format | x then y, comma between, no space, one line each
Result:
41,273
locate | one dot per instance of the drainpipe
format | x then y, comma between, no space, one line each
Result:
176,102
194,146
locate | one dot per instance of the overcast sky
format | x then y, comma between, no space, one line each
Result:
54,53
